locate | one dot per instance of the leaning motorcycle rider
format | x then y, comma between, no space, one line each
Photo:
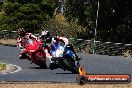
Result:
50,41
21,40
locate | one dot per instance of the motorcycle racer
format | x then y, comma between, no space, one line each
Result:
21,40
50,43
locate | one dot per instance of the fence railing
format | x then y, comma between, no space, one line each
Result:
102,48
8,34
81,45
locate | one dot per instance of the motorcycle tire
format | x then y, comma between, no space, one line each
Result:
52,66
42,63
70,64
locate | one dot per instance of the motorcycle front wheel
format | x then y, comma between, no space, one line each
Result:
69,63
42,63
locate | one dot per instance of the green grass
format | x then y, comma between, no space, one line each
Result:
2,66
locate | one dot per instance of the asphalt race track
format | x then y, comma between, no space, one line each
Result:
93,64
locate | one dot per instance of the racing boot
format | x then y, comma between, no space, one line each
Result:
23,56
77,58
20,56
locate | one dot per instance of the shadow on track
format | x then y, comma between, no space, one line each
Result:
64,73
38,68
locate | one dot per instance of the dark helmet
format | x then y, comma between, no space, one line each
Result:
21,31
46,34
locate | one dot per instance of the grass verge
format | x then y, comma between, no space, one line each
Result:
65,85
8,41
2,66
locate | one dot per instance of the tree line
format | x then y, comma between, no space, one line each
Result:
114,18
114,21
29,14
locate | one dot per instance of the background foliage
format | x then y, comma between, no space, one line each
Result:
59,26
29,14
114,21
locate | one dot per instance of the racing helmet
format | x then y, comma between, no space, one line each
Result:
21,32
45,34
